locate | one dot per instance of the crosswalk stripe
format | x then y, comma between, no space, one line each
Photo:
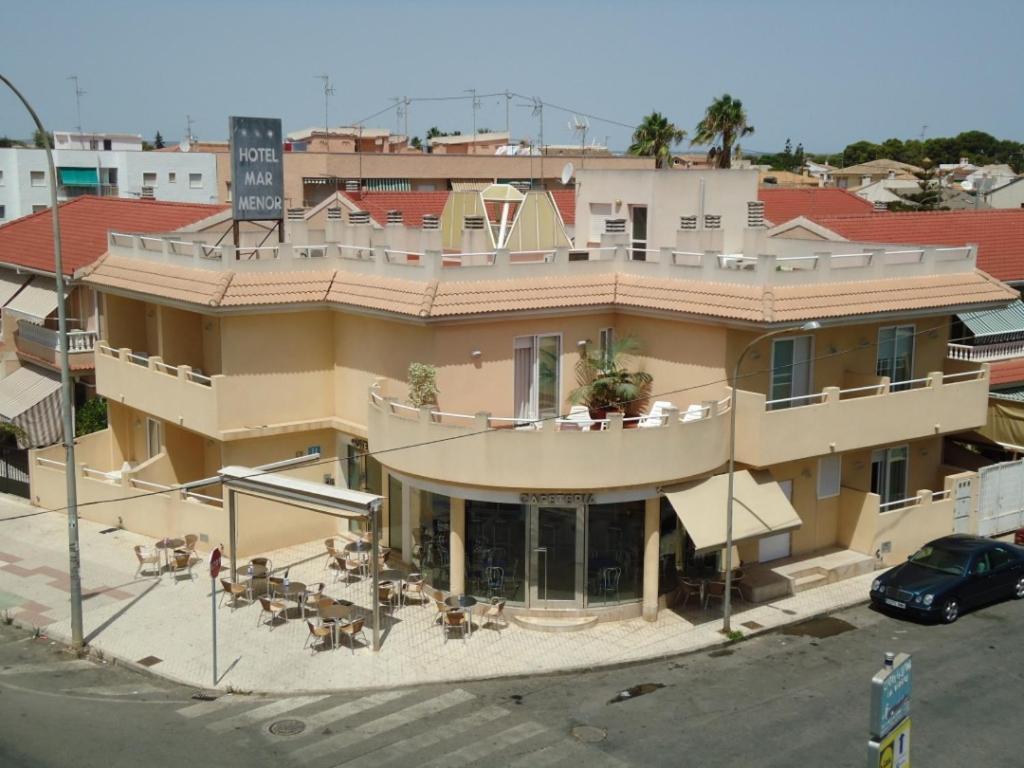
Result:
381,725
262,713
328,716
56,666
203,708
421,741
483,747
565,752
128,689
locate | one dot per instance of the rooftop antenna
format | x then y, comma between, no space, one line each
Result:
476,106
188,129
401,110
923,129
328,92
79,93
508,130
580,125
537,110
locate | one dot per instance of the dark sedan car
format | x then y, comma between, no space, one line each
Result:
949,575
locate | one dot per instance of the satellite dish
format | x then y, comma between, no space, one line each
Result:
185,146
567,172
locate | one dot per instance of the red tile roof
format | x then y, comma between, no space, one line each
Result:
781,205
413,205
999,234
565,201
1006,372
84,223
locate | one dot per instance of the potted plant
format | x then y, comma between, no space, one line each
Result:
605,383
422,384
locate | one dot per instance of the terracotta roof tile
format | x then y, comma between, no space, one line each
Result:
406,297
1007,372
84,223
565,201
413,205
782,205
999,234
740,302
196,286
249,289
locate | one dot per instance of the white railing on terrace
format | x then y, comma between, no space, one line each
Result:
981,353
111,477
388,252
485,421
144,360
882,388
891,506
44,462
78,341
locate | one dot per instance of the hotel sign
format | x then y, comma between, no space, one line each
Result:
257,173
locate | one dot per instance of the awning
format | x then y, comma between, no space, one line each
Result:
995,322
760,508
30,399
10,283
37,300
1005,422
78,177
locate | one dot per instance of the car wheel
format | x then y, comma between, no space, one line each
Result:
1018,589
950,611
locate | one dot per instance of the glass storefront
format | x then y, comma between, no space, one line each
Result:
431,539
496,550
615,552
395,516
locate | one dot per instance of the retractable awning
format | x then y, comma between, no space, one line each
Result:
30,399
1005,422
760,508
78,177
995,322
10,283
37,300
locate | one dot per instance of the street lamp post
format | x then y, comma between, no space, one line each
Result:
74,557
727,601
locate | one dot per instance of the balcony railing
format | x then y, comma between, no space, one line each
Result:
985,353
67,192
78,341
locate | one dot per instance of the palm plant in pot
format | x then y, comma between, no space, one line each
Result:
605,384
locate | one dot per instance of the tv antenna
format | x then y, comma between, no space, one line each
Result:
537,110
402,110
79,93
189,138
476,106
328,92
923,129
580,125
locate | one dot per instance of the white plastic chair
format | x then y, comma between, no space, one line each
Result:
694,412
578,418
656,416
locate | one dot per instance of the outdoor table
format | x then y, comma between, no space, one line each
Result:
361,547
293,590
167,544
466,602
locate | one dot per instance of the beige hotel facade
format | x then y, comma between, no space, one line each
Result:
214,356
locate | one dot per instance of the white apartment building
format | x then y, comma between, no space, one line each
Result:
170,176
97,141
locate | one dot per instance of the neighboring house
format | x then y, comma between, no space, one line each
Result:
888,190
988,177
822,171
863,174
97,141
1009,195
347,139
789,179
468,144
126,173
214,356
782,205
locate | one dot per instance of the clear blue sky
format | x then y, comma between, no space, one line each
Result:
824,72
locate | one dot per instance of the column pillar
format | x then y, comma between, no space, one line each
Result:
457,546
652,527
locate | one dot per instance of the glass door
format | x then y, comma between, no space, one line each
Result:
791,371
889,474
537,361
896,355
638,213
556,557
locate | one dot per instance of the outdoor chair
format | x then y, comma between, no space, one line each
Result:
736,586
332,553
317,634
262,563
694,412
352,629
234,589
147,557
439,604
349,567
578,419
656,416
454,621
690,588
182,561
386,596
274,608
610,578
494,577
495,613
714,591
191,540
311,597
414,586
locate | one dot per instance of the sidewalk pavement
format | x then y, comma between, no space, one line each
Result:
165,624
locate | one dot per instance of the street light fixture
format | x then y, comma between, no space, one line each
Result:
811,325
74,556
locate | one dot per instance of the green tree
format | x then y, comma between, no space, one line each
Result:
158,141
605,382
38,140
725,122
860,152
655,137
91,417
798,157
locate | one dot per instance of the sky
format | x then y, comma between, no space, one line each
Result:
821,72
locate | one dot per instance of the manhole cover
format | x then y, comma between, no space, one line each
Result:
589,734
753,625
149,661
287,727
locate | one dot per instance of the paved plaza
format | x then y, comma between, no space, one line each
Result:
167,621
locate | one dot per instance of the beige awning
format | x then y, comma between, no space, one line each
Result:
30,399
10,283
37,300
760,508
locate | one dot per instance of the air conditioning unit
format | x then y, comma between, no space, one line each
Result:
147,193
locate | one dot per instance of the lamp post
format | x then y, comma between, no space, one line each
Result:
727,602
74,557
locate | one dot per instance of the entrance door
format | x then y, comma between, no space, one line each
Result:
638,213
556,558
537,376
791,371
778,546
896,355
889,475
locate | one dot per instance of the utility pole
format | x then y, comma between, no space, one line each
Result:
476,106
508,98
328,92
79,93
188,129
74,555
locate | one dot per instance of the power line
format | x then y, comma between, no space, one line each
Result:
438,441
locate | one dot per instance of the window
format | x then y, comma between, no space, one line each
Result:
615,542
998,558
3,212
39,208
828,476
607,341
496,549
537,376
149,179
896,354
432,538
37,178
154,438
638,214
172,177
395,527
791,371
1,178
195,181
599,212
107,144
889,475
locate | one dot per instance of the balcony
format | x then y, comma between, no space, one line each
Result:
839,420
985,353
545,455
69,191
173,393
43,345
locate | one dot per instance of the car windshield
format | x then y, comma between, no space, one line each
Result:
939,559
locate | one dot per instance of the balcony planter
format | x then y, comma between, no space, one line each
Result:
606,385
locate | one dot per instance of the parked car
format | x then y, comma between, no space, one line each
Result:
949,575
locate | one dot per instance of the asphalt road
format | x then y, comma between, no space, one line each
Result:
781,700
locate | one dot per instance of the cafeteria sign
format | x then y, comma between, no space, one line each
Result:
257,173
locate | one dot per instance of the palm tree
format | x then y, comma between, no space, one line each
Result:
606,383
725,121
654,137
